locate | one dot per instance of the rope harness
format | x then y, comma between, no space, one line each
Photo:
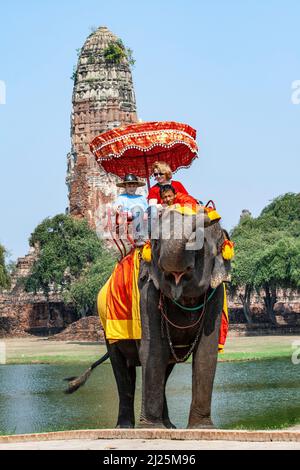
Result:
116,238
166,321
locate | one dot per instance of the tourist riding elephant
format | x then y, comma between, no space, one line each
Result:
181,301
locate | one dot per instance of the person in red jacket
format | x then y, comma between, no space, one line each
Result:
170,196
163,175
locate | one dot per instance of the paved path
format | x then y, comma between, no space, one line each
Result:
154,439
149,444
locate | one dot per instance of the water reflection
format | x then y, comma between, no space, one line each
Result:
250,395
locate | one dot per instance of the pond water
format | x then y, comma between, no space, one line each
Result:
249,395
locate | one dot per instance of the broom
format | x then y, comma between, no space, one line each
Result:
76,382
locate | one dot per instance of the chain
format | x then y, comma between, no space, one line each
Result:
187,355
178,326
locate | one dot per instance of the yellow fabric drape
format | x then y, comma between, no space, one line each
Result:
119,300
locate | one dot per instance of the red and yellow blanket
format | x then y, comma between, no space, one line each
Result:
119,300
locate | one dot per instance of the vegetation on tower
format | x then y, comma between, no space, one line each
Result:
116,52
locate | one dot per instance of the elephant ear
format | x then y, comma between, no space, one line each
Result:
221,271
144,271
222,267
147,273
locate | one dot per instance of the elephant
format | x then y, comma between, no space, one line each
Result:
175,274
181,301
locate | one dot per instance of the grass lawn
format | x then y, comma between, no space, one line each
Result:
43,351
40,350
258,347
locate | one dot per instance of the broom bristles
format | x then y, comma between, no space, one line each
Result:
78,381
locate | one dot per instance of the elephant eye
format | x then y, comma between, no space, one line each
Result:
187,276
168,275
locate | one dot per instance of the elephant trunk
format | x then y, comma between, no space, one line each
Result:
174,258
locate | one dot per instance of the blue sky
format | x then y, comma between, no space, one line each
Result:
225,67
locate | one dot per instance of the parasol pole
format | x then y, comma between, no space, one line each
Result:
147,171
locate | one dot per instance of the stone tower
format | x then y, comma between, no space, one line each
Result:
103,98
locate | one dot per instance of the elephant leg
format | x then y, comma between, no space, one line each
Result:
166,420
154,356
154,366
204,368
125,377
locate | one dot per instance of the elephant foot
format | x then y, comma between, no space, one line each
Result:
125,426
202,426
145,424
204,423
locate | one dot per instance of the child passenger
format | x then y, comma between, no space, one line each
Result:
133,205
169,197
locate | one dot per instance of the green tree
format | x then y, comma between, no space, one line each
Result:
267,253
67,249
83,292
242,270
277,267
284,209
250,240
4,275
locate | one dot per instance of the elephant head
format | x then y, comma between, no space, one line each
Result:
186,255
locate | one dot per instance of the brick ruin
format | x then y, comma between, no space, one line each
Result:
23,313
103,98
